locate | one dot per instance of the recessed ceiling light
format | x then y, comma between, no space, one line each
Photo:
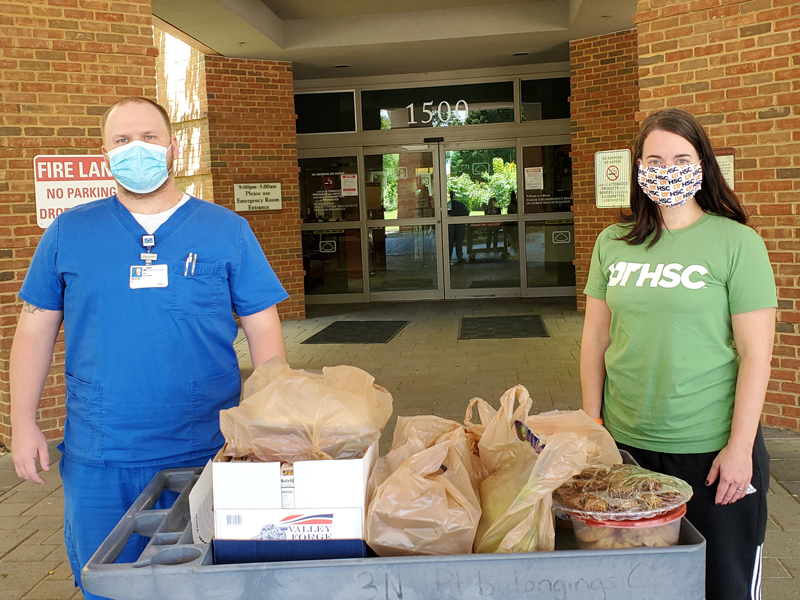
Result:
520,54
341,66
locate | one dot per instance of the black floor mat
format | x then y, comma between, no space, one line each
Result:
495,328
403,285
357,332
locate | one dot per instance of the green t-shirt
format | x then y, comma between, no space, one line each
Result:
671,366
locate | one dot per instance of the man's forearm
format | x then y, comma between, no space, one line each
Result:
264,336
31,355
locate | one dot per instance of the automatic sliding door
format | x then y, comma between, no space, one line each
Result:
549,230
402,222
482,221
331,230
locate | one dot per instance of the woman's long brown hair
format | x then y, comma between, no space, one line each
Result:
714,195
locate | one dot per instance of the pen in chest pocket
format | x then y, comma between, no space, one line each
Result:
190,260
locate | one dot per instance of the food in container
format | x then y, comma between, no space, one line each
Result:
620,492
660,531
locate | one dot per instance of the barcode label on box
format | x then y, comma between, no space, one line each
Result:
234,519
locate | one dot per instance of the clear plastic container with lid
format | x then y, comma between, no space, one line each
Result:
659,531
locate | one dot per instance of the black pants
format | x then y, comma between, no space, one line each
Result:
734,533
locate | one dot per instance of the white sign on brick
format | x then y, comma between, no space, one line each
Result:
257,196
725,161
612,178
61,182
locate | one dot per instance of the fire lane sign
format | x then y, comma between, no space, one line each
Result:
62,182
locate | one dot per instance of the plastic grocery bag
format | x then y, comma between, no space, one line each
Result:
427,505
516,499
601,448
486,414
499,442
411,435
289,415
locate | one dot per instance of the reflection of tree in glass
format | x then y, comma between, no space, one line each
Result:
474,190
389,192
471,162
475,117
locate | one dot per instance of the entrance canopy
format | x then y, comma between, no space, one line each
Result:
353,38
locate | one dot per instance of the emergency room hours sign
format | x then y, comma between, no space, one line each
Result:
62,182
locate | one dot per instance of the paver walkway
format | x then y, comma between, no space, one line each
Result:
428,370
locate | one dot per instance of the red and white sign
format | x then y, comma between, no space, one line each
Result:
62,182
349,185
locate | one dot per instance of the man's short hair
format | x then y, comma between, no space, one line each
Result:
139,100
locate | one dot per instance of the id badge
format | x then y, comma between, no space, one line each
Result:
148,276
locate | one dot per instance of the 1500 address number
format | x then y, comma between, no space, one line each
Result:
444,111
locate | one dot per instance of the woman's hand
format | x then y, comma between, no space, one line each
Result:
734,467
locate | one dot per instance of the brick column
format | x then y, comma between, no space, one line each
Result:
62,63
736,65
253,139
603,102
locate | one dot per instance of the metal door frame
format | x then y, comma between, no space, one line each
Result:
436,221
538,292
441,220
486,144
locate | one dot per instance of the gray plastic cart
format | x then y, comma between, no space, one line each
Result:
173,568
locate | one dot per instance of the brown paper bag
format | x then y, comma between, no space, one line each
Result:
289,415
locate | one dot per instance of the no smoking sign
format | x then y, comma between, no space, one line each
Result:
612,178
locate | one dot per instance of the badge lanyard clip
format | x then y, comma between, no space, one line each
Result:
148,241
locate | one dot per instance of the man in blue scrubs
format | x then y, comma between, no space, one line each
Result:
146,283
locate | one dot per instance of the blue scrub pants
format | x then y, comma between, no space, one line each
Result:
96,498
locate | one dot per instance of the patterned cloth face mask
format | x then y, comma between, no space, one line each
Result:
670,186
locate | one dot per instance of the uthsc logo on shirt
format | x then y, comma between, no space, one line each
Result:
667,276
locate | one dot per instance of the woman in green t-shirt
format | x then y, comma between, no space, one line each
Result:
677,342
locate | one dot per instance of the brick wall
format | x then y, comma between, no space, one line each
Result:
62,62
736,65
604,98
253,139
182,91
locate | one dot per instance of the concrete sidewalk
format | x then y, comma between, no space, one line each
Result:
428,370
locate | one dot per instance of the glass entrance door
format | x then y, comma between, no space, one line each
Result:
442,221
438,220
403,205
481,220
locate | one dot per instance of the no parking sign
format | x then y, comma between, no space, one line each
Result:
62,182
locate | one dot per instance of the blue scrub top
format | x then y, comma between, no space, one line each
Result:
148,370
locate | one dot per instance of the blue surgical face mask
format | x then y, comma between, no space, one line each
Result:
139,167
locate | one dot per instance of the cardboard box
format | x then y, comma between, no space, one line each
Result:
246,501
